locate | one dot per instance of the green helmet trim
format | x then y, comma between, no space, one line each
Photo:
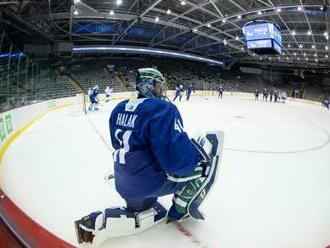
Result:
152,73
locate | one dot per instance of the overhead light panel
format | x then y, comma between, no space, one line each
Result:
140,50
293,32
278,10
309,32
209,25
300,8
239,17
76,1
112,13
119,2
195,30
313,46
156,19
168,11
183,2
326,48
75,12
259,13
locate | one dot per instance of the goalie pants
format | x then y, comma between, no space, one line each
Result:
141,204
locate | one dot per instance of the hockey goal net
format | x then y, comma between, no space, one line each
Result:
80,103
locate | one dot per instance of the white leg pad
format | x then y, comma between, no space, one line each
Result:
124,226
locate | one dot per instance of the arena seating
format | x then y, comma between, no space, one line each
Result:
31,83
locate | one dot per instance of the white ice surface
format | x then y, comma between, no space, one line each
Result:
273,188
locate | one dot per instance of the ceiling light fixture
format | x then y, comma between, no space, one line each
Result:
168,11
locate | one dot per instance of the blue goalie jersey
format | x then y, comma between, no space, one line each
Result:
149,141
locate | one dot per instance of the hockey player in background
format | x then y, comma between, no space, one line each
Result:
153,157
220,91
264,95
94,99
178,93
107,93
256,94
189,89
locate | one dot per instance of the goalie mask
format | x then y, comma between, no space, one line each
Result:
150,83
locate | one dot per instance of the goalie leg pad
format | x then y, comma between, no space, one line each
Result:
187,200
116,222
181,200
216,139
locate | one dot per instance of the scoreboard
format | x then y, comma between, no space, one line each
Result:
263,37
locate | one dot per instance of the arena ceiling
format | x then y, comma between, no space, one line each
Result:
211,28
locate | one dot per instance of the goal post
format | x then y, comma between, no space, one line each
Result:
80,103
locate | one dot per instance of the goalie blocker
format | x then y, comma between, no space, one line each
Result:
114,222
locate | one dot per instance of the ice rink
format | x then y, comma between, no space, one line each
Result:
273,189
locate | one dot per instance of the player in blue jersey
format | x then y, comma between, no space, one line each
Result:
93,98
178,93
189,89
153,157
